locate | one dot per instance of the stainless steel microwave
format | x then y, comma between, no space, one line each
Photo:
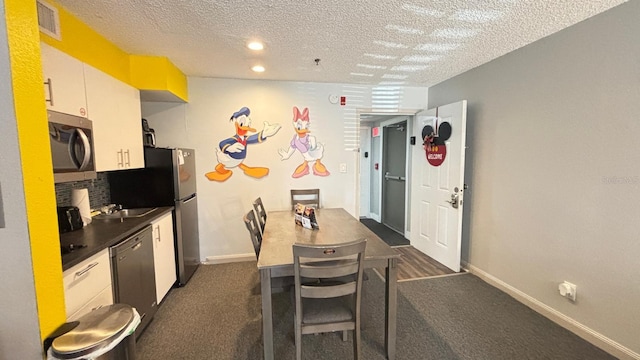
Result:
71,140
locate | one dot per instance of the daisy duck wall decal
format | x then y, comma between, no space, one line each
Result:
306,144
232,151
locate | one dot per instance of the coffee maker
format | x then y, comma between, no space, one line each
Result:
148,135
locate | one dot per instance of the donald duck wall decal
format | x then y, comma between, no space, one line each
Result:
307,146
232,151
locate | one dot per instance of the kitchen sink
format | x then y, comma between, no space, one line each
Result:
125,213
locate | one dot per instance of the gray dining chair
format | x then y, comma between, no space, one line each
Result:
254,231
307,197
260,212
278,284
328,306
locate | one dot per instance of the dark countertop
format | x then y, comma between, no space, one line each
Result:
101,234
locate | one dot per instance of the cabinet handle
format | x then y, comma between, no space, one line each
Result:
50,99
128,163
86,270
120,159
158,231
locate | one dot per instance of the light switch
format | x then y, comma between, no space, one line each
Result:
343,168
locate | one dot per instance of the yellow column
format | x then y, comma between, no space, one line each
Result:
27,83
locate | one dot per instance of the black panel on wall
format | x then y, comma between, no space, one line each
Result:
98,191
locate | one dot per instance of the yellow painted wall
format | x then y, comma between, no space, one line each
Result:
86,45
158,73
26,73
141,72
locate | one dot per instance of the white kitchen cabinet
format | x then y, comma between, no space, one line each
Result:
114,109
64,82
104,298
164,255
87,285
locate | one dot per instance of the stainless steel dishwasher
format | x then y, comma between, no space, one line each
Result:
134,281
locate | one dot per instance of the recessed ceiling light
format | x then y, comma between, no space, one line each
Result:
255,45
258,68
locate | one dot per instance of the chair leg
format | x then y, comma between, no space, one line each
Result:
344,335
356,344
298,343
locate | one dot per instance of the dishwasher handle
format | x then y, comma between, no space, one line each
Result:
132,243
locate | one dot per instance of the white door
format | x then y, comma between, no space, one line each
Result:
438,183
394,170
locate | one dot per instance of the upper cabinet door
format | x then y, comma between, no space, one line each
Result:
64,82
114,109
131,115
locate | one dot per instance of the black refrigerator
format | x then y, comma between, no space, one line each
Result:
168,179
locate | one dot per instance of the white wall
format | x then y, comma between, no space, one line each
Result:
554,170
204,122
19,325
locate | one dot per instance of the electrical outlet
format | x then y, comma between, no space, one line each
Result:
568,290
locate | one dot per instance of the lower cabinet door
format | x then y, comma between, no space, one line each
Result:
104,298
86,280
164,255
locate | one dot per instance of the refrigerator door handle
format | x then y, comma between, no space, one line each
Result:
192,197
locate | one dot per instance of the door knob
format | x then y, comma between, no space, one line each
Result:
454,200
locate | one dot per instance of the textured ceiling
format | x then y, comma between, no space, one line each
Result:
414,43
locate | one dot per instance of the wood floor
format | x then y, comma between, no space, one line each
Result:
415,265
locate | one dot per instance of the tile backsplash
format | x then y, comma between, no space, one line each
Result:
99,194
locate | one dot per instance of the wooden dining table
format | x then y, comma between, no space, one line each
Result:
335,226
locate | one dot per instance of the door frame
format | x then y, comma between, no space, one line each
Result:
367,175
409,114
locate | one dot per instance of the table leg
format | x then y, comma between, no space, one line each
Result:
391,303
267,313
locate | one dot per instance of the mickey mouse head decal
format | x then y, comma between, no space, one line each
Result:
434,142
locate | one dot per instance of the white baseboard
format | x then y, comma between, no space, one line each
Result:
557,317
211,260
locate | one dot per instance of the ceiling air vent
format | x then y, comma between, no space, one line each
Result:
48,20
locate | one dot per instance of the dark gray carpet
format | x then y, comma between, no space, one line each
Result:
391,237
217,316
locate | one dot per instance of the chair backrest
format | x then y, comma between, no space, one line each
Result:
305,197
256,236
326,262
262,214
